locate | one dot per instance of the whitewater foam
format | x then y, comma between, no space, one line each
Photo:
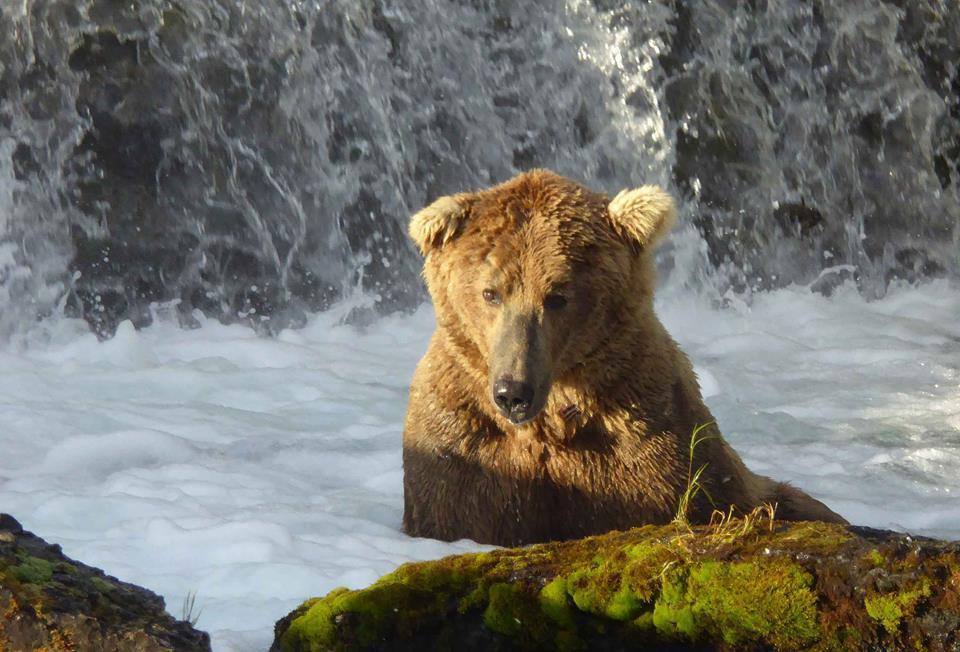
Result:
258,472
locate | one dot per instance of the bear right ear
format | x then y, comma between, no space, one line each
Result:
434,226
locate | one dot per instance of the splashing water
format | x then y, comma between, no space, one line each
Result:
256,160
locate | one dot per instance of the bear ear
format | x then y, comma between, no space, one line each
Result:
434,226
643,215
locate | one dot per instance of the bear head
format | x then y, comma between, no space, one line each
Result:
536,281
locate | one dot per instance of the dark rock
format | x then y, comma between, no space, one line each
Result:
914,264
51,602
798,218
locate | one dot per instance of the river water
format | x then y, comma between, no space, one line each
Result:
209,312
257,472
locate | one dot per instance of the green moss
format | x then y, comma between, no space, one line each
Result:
395,606
314,627
673,612
624,605
741,603
875,558
622,585
102,585
514,610
886,610
592,587
385,609
645,566
890,609
555,603
644,622
737,587
501,614
66,568
444,574
475,599
33,570
812,537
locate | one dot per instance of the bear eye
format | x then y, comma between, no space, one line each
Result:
492,297
555,302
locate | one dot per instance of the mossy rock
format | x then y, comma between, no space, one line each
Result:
53,603
756,584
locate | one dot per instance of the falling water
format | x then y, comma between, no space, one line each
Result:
257,160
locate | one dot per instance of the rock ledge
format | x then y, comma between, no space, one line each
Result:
51,602
738,585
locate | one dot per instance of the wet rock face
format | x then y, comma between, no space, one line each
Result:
258,160
845,110
51,602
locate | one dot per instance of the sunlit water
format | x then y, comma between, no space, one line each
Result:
258,472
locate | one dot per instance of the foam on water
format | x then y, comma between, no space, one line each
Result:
258,472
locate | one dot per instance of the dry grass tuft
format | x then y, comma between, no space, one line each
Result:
681,520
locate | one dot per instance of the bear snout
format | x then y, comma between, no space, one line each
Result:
514,399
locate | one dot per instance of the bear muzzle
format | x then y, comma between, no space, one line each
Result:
514,399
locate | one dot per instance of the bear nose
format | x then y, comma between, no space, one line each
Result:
512,397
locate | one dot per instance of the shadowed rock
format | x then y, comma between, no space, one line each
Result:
51,602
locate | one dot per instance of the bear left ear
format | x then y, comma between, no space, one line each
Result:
434,226
643,215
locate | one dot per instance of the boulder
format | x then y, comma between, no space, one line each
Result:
51,602
738,584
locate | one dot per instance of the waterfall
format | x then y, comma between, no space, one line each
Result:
257,160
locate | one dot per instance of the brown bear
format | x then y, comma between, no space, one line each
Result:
552,403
